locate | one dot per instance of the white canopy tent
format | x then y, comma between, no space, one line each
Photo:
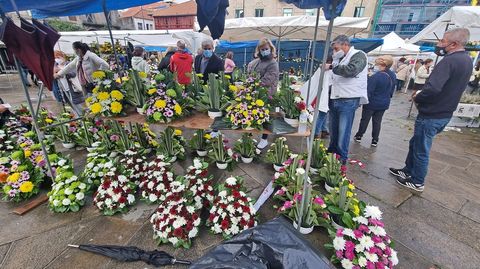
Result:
459,16
395,45
294,27
136,37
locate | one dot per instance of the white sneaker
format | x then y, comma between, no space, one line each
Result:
262,144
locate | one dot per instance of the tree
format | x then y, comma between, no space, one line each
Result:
65,26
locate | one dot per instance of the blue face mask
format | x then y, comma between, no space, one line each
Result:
207,53
265,53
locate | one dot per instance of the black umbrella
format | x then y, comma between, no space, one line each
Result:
130,254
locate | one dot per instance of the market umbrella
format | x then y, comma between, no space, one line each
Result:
130,254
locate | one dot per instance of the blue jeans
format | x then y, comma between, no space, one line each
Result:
416,163
342,113
321,123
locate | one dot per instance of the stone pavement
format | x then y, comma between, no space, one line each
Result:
437,229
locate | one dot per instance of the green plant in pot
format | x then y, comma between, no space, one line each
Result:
200,142
343,205
223,156
331,173
319,152
213,98
136,89
278,153
170,146
246,147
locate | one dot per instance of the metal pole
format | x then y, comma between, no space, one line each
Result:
105,12
32,112
306,182
245,58
312,54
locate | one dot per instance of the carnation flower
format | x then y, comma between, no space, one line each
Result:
339,243
373,212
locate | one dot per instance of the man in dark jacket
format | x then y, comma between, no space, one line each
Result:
165,62
208,62
181,64
436,103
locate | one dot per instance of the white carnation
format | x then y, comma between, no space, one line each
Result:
66,202
152,197
193,233
231,181
339,243
394,257
366,242
371,257
131,198
347,264
362,262
68,191
373,212
79,196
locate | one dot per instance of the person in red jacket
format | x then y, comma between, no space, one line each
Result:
181,64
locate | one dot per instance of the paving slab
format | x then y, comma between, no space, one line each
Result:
471,210
3,252
39,250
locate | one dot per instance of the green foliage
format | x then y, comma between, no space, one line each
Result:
64,26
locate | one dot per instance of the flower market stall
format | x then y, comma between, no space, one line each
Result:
129,163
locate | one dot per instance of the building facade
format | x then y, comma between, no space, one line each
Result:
176,16
408,17
265,8
361,8
96,21
141,17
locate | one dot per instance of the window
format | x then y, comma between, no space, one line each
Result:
151,26
310,12
410,17
146,27
287,12
259,12
238,13
140,26
72,18
359,11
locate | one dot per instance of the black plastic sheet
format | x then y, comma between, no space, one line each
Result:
276,126
273,245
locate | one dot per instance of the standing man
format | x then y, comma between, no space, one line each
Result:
181,64
349,90
436,103
208,62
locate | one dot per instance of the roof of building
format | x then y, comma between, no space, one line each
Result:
143,12
182,9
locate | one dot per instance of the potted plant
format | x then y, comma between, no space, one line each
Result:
222,155
213,99
136,89
245,146
343,205
170,146
331,173
199,142
318,156
278,153
290,102
67,131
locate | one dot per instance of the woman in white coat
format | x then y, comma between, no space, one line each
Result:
138,63
84,64
70,89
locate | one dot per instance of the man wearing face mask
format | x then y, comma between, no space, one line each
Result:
349,90
208,62
436,103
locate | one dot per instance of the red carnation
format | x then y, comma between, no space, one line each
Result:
194,216
301,106
122,200
236,194
189,226
178,232
236,205
203,173
211,217
225,224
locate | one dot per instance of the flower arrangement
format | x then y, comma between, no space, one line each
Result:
199,184
165,103
213,98
175,221
220,153
200,142
246,147
114,194
289,100
98,165
288,174
343,205
67,131
20,178
106,48
171,144
143,137
107,96
319,153
278,153
365,245
249,109
68,191
158,182
134,164
331,172
46,118
232,211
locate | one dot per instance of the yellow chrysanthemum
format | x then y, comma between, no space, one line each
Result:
26,186
208,136
142,74
39,158
178,132
95,90
117,95
356,210
88,100
233,88
245,113
259,102
267,111
96,108
351,187
102,96
98,75
23,145
160,103
238,99
228,77
48,120
178,109
349,194
152,91
254,112
248,97
28,153
14,177
116,107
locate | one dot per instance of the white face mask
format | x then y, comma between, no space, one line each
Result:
59,61
337,55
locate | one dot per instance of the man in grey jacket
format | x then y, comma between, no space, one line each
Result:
349,90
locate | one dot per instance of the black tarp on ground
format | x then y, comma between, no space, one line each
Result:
273,245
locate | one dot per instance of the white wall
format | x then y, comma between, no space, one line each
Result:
137,22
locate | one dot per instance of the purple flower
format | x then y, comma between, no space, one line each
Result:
370,265
339,254
297,197
358,233
114,137
376,239
72,129
11,193
340,232
318,201
41,163
376,222
287,204
349,246
169,113
363,228
350,255
93,130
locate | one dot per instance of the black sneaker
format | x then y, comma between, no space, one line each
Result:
374,143
407,183
399,173
358,139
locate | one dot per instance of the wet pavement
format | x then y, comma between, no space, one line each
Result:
439,228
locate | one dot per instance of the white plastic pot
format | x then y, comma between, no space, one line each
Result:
292,122
303,230
249,128
277,167
222,166
202,153
328,188
247,159
68,145
140,110
214,114
336,225
173,159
